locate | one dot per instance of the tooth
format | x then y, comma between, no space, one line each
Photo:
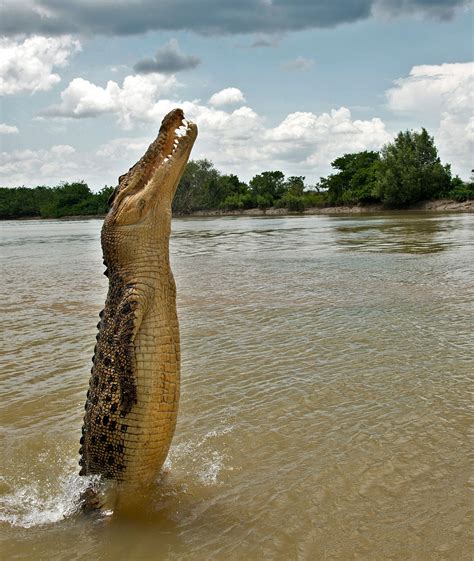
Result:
185,123
181,131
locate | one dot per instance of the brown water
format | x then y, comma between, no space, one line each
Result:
324,411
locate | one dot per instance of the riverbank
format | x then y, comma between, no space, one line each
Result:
442,205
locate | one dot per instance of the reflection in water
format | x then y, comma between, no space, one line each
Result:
399,234
326,363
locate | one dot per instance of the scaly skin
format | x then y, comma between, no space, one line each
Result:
133,394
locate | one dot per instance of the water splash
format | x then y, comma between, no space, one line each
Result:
206,462
36,504
42,503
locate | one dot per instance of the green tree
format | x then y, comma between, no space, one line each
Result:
267,187
68,199
293,197
355,180
410,170
102,198
294,185
237,194
460,190
198,188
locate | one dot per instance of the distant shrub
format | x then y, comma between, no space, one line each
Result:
264,201
315,199
291,202
461,194
237,202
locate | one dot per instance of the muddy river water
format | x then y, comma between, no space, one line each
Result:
327,363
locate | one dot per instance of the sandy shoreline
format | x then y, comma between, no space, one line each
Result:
442,205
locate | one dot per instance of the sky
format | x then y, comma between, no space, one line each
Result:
272,84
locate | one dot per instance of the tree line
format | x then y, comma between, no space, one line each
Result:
67,199
403,173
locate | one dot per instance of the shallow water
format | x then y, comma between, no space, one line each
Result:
324,411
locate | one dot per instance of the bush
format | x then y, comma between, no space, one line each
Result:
237,202
461,194
355,180
264,201
315,199
291,202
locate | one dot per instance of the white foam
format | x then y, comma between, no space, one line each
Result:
38,504
207,463
211,469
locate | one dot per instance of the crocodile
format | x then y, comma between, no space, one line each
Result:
132,400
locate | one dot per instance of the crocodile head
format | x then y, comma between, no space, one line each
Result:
152,181
140,207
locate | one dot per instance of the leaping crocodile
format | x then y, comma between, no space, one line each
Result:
132,401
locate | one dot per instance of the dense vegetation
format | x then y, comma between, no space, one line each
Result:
68,199
404,172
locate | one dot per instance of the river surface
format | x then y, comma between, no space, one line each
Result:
327,363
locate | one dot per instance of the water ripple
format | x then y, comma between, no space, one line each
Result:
326,367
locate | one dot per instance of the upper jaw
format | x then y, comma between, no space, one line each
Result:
178,134
154,178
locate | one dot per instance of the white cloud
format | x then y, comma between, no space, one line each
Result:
437,86
119,149
321,138
8,129
237,140
134,101
28,65
34,167
227,96
444,95
51,166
